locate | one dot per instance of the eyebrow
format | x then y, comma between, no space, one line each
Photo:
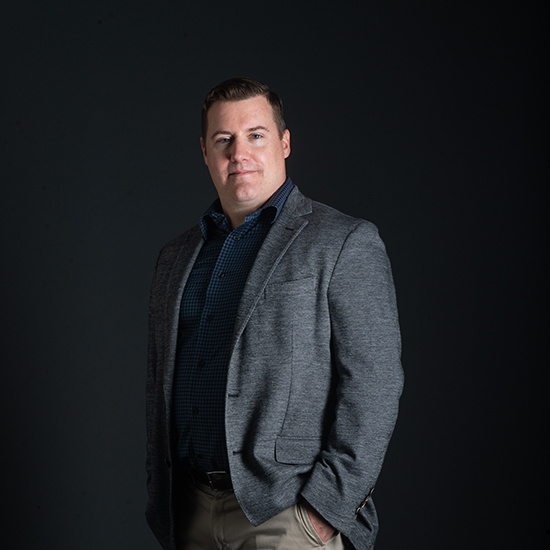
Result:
227,132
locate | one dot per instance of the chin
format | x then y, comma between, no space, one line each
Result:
245,196
247,189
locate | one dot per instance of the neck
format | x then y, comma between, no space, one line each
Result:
236,219
236,213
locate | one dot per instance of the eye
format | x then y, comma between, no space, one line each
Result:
256,136
223,140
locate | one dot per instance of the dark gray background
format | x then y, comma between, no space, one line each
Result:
425,117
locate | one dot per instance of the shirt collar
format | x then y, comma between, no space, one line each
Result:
214,216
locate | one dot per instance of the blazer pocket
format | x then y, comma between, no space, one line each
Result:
292,287
293,450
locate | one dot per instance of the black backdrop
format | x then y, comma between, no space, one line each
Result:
424,117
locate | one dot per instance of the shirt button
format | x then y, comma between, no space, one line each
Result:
222,274
201,363
236,238
209,318
195,410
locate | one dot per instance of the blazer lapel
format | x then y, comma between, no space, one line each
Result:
287,227
186,256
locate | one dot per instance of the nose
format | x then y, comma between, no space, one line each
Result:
239,151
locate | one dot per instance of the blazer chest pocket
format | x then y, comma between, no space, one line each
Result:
292,450
293,288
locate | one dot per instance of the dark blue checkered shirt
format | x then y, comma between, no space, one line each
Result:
207,317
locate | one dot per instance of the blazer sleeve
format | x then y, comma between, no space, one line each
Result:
366,349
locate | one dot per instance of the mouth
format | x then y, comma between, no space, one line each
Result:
241,172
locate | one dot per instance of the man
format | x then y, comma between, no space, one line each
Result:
274,354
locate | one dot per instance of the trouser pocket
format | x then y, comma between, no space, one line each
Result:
305,522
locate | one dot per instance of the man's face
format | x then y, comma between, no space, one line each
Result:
244,153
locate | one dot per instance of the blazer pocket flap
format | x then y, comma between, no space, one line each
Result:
293,450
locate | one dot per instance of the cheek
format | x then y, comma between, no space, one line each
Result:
219,165
263,156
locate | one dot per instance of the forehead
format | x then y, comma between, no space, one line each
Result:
242,114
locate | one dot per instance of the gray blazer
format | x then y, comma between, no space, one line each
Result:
314,378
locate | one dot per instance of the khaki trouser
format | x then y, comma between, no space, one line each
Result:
213,520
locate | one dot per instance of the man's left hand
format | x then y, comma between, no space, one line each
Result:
324,529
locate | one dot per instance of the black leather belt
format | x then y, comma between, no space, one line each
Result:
218,480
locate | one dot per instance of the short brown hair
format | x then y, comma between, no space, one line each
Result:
237,89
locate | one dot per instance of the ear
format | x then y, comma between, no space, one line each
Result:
203,147
286,143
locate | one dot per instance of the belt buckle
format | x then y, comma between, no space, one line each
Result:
211,480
